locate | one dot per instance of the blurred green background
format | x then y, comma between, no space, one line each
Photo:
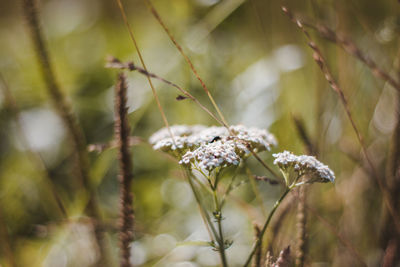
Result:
261,73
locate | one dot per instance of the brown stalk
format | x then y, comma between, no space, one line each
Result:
121,131
337,89
188,61
301,245
64,109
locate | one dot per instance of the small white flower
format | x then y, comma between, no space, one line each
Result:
303,164
191,137
212,155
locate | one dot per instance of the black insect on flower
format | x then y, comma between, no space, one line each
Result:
216,138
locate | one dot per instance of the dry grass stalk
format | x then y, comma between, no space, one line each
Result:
301,217
301,245
188,61
335,86
351,48
64,109
128,26
122,131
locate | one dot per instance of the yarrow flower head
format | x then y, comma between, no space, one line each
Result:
257,139
188,138
162,140
316,170
213,155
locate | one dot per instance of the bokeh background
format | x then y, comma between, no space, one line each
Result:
260,71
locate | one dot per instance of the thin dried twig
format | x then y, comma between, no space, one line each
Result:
125,164
188,61
113,62
133,141
164,117
317,55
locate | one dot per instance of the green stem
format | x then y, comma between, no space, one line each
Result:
260,237
207,220
218,217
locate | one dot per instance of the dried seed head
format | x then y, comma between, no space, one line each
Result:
316,170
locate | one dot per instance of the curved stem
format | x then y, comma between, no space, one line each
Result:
260,237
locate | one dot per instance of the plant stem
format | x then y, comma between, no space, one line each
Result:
207,220
218,217
260,237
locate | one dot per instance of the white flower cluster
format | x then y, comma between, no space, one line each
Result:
303,164
213,155
190,137
212,147
258,139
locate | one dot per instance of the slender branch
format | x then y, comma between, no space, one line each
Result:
335,86
122,131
